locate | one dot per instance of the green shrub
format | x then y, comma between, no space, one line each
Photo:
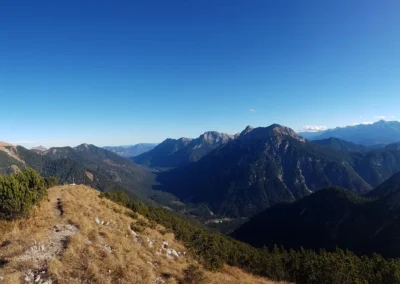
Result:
137,227
193,275
20,192
51,181
132,215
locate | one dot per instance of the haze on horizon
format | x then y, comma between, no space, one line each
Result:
125,72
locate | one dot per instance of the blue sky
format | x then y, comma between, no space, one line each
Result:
123,72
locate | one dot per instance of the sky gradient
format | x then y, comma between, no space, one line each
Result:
124,72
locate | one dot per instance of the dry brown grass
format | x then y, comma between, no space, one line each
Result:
97,253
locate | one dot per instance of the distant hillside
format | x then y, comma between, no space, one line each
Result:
381,132
86,164
132,150
9,158
389,187
330,218
341,145
178,152
377,165
261,167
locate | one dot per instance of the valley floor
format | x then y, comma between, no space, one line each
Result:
77,237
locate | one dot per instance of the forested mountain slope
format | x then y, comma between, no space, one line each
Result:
332,217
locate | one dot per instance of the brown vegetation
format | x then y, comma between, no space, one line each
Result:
76,237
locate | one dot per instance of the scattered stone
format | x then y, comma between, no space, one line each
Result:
159,280
174,253
150,242
133,232
105,245
165,244
151,264
29,276
37,277
53,247
137,237
97,221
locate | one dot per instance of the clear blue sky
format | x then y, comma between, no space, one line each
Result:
122,72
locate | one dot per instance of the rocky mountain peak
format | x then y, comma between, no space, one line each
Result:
246,130
40,148
261,133
83,146
215,137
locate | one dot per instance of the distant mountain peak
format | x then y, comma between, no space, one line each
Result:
246,130
214,137
83,146
40,148
261,133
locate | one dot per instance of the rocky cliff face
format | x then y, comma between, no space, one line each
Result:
179,152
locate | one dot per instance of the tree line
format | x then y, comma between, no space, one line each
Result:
300,266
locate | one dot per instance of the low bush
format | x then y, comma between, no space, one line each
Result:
51,181
20,192
193,275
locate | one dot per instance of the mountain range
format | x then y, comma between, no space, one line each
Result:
330,218
179,152
378,133
263,166
131,150
86,164
225,175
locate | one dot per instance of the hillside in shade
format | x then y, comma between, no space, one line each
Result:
131,150
330,218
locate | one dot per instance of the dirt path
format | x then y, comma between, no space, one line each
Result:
50,248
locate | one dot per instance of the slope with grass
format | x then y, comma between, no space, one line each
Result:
76,237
